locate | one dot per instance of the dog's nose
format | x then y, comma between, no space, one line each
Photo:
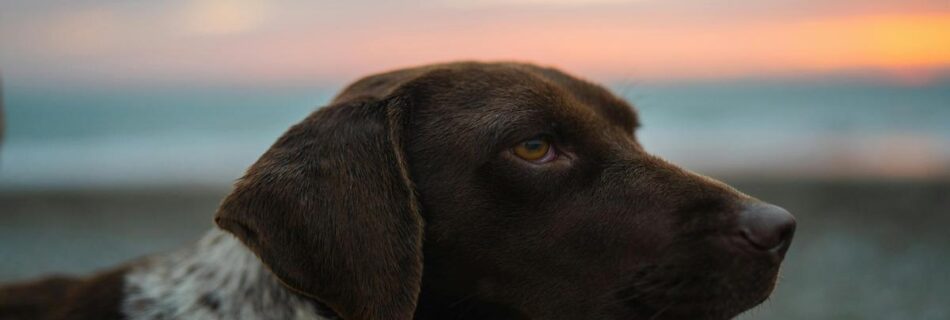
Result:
767,227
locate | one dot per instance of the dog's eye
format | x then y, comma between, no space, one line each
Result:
537,150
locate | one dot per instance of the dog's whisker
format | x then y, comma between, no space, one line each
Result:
660,312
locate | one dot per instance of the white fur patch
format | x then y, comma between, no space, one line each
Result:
217,278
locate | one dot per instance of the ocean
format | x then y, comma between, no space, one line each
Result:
114,137
90,178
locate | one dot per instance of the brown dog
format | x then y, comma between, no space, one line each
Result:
454,191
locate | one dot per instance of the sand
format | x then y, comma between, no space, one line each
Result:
863,249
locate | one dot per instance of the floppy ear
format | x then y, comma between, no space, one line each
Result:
330,209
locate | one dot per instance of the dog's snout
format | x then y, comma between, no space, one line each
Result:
767,227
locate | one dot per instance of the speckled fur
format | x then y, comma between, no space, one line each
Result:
217,278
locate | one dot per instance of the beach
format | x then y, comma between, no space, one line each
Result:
864,249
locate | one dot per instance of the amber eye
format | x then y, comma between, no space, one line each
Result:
535,150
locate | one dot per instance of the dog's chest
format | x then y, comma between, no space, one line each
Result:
218,278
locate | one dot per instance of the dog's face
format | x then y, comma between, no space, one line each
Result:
499,191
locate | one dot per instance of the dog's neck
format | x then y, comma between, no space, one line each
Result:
216,278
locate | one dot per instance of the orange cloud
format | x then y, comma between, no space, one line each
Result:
878,41
905,45
265,42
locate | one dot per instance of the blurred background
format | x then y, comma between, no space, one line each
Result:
127,121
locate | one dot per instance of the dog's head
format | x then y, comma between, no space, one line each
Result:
504,190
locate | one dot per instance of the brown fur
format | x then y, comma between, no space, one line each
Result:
402,199
94,298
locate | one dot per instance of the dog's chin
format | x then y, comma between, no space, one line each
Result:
696,296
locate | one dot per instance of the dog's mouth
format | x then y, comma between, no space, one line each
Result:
713,276
686,292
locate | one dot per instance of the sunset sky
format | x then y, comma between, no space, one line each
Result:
254,42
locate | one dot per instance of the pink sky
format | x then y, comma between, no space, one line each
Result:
246,41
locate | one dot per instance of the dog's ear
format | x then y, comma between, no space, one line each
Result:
330,209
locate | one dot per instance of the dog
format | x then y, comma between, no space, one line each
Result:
465,190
